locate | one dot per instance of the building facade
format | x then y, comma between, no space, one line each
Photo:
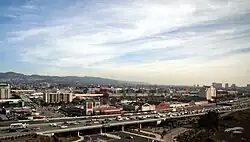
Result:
226,86
5,91
210,93
248,87
217,85
57,97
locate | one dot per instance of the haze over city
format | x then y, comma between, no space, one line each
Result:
162,42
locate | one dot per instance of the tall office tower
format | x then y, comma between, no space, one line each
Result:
226,86
210,93
5,91
233,86
217,85
248,86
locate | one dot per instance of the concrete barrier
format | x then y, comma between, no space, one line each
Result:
111,136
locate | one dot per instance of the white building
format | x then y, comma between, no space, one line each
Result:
5,91
210,93
147,107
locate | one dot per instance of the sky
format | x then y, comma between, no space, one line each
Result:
154,41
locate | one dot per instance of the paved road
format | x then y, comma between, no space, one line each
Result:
157,136
97,137
45,128
51,120
125,139
48,129
175,132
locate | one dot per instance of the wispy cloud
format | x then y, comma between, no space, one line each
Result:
153,41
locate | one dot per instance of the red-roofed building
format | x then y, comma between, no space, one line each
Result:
162,106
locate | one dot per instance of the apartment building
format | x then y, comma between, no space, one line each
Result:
5,91
56,97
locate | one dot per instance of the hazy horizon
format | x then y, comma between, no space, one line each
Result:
157,42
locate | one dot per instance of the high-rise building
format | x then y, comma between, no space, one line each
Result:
210,93
5,91
233,86
217,85
248,86
226,85
202,92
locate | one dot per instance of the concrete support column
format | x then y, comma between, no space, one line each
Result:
101,130
122,128
139,126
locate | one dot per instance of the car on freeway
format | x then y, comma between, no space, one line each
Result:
87,124
156,116
132,118
74,123
107,119
129,137
63,126
175,139
35,128
126,118
140,118
89,121
119,118
68,123
53,124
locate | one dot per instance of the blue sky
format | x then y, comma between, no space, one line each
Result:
160,41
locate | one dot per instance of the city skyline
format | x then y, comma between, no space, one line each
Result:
161,42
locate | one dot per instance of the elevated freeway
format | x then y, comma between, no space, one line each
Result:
126,122
52,120
46,129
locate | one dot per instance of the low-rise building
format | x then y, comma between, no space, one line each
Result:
147,107
162,106
201,103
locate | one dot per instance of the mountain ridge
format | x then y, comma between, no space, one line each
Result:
14,77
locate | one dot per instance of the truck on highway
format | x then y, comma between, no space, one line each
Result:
16,126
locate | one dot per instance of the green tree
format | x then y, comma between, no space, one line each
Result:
209,122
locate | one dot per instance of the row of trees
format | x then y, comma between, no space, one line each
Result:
206,125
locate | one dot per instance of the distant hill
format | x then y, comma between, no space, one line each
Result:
13,77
